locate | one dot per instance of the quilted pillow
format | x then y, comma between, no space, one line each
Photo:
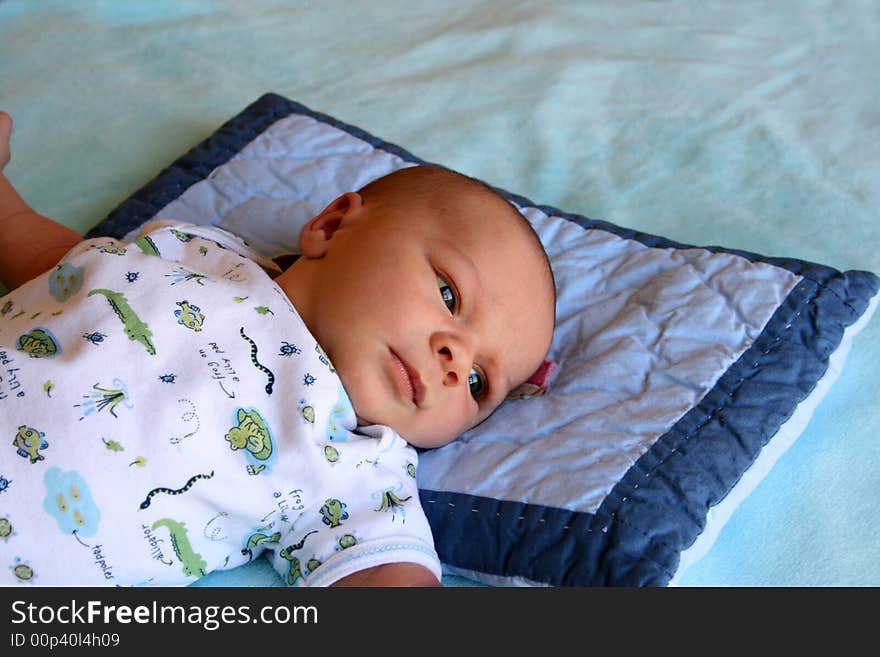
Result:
682,373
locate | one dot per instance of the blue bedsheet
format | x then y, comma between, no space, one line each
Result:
743,124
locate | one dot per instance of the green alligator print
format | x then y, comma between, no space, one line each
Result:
193,564
135,329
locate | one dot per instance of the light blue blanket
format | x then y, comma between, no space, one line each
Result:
747,124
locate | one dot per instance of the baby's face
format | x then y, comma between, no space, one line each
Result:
430,317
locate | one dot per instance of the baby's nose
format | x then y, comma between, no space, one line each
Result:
455,360
451,375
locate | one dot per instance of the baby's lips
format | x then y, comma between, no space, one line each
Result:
417,384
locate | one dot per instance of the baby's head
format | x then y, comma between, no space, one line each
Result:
431,295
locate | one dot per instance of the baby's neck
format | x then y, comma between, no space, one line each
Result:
296,281
285,260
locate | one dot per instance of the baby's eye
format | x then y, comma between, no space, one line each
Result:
477,384
447,292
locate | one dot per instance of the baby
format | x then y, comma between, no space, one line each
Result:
178,404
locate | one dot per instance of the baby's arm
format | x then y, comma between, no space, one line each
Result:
392,574
30,243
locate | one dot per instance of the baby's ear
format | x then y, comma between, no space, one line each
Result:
316,235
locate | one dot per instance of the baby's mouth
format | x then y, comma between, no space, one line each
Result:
409,383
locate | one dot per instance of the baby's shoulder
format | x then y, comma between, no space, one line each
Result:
201,245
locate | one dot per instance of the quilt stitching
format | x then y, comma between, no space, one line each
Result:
684,437
595,520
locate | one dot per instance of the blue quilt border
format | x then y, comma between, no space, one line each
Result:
659,507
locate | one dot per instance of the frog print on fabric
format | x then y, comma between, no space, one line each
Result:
251,434
189,315
39,343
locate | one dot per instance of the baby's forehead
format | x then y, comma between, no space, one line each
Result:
470,213
481,213
506,254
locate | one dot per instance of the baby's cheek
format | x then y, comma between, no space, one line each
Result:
483,415
446,426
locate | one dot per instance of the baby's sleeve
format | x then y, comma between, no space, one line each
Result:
371,516
202,246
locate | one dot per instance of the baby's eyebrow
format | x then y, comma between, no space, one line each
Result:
466,277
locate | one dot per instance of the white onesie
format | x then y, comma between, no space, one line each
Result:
166,413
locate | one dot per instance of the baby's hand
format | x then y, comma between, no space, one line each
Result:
30,243
5,133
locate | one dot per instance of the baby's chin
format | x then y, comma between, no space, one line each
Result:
418,432
419,441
